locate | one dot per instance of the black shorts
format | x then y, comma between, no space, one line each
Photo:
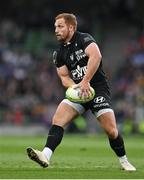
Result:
102,100
99,105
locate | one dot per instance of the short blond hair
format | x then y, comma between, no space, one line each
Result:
69,19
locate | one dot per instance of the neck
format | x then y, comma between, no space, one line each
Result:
69,37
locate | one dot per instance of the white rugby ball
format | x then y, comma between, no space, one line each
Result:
72,94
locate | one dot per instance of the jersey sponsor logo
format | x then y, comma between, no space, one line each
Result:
101,105
99,99
76,57
100,102
80,54
79,72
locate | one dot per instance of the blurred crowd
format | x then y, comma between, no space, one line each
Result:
28,84
129,86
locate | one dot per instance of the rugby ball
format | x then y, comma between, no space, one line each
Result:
72,94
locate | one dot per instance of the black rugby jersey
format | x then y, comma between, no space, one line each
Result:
73,56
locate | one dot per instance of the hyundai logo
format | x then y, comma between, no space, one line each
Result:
99,99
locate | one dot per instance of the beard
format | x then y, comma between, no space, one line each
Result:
63,38
60,38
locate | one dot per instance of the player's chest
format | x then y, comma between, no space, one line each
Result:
74,55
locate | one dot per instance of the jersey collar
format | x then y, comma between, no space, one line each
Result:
71,41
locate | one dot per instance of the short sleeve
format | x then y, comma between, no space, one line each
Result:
86,39
57,60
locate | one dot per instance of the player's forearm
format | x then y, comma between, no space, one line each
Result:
67,82
92,67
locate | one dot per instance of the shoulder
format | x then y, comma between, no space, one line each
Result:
85,39
58,57
58,51
85,36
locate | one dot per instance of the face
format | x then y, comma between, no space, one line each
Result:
62,30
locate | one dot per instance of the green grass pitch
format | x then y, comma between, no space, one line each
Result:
78,157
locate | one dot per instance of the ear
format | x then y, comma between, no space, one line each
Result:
71,28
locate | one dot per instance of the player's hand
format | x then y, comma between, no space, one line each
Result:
85,89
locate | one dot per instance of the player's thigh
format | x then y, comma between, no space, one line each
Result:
108,123
64,114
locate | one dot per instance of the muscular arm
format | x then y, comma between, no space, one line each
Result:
94,55
93,52
63,73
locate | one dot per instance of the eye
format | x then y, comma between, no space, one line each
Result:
60,26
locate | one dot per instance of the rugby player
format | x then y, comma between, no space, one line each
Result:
79,64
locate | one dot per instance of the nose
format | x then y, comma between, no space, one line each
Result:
56,30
